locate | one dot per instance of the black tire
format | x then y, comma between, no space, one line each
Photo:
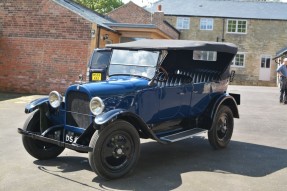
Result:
36,148
116,150
221,131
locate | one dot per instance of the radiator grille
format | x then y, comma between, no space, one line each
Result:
78,111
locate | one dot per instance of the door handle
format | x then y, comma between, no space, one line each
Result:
181,93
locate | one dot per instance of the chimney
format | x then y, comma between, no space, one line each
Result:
158,16
159,8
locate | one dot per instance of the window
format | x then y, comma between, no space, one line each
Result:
182,23
204,55
265,61
236,26
239,60
206,24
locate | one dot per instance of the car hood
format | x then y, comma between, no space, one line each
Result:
114,86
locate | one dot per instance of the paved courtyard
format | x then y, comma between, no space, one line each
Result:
256,158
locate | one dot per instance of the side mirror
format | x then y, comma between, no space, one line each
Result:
231,77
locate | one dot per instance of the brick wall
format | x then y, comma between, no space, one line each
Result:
43,46
130,13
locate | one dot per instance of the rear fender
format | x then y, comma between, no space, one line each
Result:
207,119
229,101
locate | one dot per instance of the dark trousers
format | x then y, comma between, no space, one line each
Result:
283,89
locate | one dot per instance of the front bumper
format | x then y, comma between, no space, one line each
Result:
72,146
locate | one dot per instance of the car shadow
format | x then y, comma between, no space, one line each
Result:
163,164
65,164
8,96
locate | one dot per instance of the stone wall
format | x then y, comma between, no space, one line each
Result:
264,37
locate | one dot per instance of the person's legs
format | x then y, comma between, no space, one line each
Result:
281,91
284,91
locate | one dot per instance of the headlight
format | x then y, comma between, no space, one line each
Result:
97,106
55,99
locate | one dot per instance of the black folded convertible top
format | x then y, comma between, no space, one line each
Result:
149,44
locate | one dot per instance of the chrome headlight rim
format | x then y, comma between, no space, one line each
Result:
97,110
55,99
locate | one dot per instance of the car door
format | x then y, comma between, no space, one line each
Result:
174,101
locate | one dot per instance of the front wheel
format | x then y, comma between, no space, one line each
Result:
221,131
36,148
115,150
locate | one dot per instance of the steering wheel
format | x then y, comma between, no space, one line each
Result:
162,75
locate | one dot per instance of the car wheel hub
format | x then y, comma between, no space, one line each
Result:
118,151
222,127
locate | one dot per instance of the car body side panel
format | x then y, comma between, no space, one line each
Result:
200,98
147,104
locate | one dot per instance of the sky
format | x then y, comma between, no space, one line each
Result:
141,2
146,2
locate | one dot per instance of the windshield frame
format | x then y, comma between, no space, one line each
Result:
152,64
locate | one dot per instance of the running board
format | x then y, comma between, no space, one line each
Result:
182,135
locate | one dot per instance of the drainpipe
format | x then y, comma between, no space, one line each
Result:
223,30
98,36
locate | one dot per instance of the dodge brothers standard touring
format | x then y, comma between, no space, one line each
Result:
165,90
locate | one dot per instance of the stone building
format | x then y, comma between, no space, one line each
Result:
259,29
46,44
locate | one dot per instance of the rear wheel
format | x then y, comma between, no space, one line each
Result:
115,150
221,132
36,148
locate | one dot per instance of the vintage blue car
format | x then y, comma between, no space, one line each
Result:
165,90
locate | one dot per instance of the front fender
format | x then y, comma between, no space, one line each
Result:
105,117
135,120
32,106
47,113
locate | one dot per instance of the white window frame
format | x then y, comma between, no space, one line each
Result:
236,29
244,58
183,23
205,22
205,55
265,56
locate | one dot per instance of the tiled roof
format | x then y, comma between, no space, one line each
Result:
224,8
84,12
129,25
281,52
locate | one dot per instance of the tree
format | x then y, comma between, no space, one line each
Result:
101,6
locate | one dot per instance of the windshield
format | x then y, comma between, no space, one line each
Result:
139,62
